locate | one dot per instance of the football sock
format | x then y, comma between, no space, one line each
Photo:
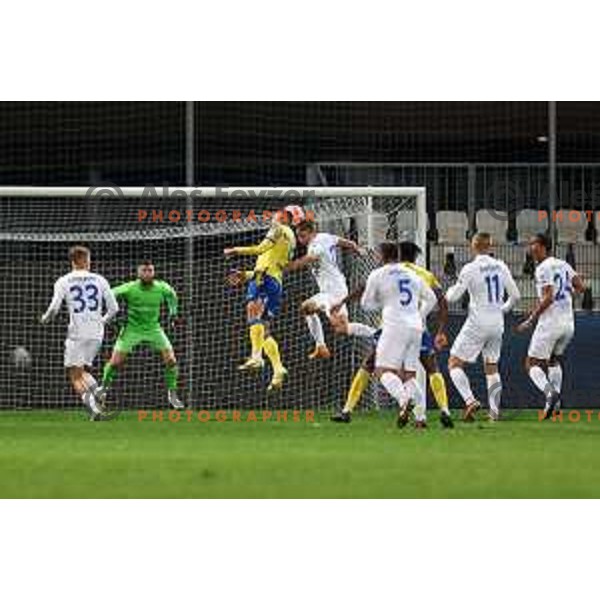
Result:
461,382
494,387
537,375
357,389
555,376
257,338
316,329
108,374
440,393
393,384
360,330
271,349
414,391
171,374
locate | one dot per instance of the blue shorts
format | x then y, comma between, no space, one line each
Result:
268,290
427,347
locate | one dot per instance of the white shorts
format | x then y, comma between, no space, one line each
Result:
325,300
398,348
550,339
80,353
474,340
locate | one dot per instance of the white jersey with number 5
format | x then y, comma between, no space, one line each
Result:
84,293
403,297
328,275
558,274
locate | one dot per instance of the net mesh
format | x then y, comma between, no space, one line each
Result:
36,233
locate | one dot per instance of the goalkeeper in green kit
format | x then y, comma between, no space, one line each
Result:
144,298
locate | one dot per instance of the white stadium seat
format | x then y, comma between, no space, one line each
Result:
452,227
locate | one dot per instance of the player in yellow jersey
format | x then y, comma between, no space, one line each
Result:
264,288
408,256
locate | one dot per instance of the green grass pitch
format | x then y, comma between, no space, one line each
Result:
61,455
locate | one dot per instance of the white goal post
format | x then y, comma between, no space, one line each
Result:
38,224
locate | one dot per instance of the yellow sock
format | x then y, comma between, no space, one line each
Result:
359,385
257,338
271,349
438,387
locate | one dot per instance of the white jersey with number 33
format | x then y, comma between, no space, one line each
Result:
84,293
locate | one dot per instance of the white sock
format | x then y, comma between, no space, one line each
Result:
316,329
393,384
461,382
360,330
494,387
414,391
537,375
89,398
90,382
555,376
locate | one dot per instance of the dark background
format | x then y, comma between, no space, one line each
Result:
265,143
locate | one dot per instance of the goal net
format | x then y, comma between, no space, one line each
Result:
184,232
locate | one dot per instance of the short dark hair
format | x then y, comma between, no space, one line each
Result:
409,251
309,226
146,262
389,251
78,254
544,240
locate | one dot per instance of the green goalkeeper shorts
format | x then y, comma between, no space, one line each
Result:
130,337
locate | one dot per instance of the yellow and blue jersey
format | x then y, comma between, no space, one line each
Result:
274,252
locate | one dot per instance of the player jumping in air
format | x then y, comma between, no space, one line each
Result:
321,257
555,282
405,300
264,288
487,280
84,293
144,298
409,252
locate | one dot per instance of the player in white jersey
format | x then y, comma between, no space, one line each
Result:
321,257
84,293
555,281
487,280
405,300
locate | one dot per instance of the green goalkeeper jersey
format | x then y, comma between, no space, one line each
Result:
144,302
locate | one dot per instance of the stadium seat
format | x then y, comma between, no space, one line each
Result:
495,223
529,223
452,227
568,230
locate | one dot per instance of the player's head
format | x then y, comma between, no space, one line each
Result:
409,251
290,215
481,243
540,245
79,256
146,271
388,252
305,232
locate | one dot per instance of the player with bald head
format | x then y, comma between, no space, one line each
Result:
492,293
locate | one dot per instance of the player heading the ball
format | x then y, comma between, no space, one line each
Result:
144,297
321,257
84,293
264,289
